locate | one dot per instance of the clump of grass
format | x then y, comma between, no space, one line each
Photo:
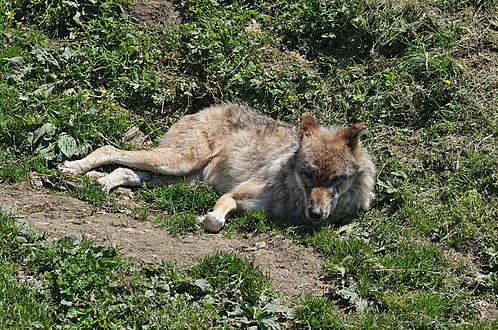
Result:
254,221
13,170
89,191
235,278
18,299
20,307
180,223
242,291
318,313
180,197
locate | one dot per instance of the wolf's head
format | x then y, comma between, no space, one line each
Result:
326,164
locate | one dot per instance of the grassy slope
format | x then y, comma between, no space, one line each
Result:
423,74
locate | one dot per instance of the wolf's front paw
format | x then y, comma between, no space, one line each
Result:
69,168
212,222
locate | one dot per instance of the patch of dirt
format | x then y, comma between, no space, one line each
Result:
294,269
487,310
479,55
156,12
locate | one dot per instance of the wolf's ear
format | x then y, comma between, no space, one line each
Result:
308,124
352,134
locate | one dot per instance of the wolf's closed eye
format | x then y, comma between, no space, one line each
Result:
308,176
338,180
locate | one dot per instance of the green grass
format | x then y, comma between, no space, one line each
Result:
20,307
422,74
88,191
180,197
18,297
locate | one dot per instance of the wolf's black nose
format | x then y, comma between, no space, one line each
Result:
315,213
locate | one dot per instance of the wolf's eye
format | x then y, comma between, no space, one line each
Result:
338,180
308,176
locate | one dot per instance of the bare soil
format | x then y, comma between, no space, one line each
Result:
156,12
294,270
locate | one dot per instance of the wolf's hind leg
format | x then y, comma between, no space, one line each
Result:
101,156
165,161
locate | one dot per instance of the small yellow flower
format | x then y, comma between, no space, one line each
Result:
104,91
113,104
99,101
448,82
19,23
9,14
54,76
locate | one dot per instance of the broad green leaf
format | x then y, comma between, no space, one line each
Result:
203,284
47,131
67,145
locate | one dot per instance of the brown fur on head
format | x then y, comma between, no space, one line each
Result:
351,135
326,164
308,126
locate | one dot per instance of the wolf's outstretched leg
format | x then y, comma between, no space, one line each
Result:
164,161
242,198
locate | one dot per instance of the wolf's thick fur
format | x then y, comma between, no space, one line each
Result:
311,171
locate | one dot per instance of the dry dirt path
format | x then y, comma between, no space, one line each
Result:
294,269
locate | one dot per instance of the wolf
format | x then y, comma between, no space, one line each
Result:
254,162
